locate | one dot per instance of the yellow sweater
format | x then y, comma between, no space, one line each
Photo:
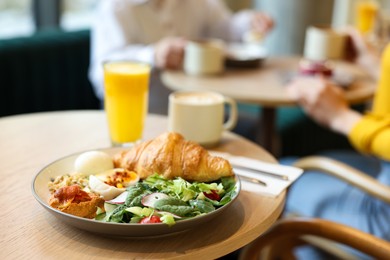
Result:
372,134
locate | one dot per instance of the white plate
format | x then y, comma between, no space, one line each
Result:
245,54
65,165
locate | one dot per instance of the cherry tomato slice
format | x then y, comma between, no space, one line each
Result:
150,220
213,195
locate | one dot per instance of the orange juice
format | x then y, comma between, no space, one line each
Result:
126,100
366,12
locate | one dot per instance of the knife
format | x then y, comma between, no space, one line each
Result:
250,179
275,175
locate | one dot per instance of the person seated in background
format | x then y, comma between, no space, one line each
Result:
156,31
324,196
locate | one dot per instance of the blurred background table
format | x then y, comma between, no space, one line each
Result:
29,142
265,86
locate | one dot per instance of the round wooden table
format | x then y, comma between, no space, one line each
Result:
265,86
31,141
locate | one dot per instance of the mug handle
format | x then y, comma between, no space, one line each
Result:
233,114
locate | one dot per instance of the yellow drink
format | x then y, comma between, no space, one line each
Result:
366,12
126,100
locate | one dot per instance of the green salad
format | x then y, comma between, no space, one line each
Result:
159,200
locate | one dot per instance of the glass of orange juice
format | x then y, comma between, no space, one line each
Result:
366,13
126,95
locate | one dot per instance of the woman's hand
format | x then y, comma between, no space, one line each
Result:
363,52
261,23
324,102
169,53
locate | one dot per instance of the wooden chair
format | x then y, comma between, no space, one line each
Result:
287,233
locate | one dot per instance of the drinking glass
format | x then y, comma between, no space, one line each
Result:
366,14
126,96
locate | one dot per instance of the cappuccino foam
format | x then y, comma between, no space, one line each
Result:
198,99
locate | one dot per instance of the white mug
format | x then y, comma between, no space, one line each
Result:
204,57
324,43
199,115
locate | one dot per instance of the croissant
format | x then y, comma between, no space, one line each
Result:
172,156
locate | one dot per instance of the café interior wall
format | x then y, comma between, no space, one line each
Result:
292,17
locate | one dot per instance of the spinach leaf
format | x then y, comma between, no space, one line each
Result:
170,201
175,206
134,192
182,211
117,214
120,215
202,205
227,197
228,183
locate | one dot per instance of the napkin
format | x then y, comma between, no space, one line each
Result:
274,185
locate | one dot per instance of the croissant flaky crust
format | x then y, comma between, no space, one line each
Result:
172,156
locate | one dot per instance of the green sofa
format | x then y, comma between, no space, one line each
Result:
48,71
45,72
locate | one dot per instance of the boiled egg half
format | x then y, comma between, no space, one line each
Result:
109,184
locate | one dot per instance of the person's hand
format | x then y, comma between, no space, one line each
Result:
260,25
324,102
169,53
362,52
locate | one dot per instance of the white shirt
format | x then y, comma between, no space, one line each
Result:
127,29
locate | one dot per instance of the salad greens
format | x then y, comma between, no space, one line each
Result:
184,200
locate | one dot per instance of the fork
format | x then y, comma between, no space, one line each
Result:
251,179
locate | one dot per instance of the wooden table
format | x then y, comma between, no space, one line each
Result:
29,142
265,86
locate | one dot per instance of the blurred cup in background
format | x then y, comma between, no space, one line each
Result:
324,43
366,14
126,85
199,115
204,57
